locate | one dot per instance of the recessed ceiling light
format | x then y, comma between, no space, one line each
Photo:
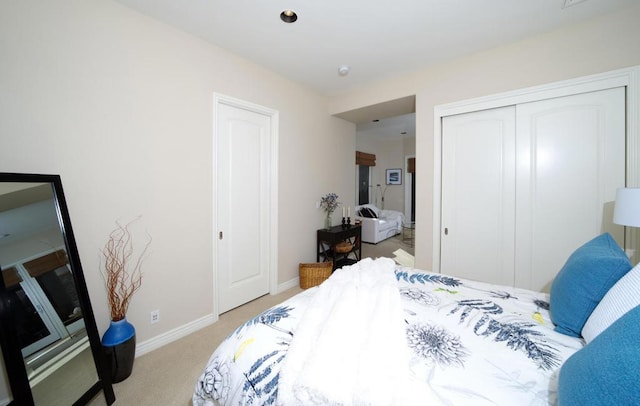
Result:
288,16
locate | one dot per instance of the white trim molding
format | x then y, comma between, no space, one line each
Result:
175,334
290,284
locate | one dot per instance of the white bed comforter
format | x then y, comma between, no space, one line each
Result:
351,338
466,342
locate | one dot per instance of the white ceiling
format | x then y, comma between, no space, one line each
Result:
25,209
396,127
378,39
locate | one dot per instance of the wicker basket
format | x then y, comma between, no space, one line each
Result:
315,273
343,247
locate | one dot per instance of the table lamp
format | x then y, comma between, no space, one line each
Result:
627,209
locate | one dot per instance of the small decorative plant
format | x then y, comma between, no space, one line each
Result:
329,204
122,273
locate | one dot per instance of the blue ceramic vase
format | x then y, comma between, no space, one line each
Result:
119,343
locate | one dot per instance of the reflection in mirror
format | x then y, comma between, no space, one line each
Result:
5,392
45,305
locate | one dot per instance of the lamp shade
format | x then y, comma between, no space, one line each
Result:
627,209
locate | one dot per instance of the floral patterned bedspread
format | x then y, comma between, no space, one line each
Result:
471,343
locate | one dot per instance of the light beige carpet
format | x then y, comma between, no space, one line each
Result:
167,375
386,248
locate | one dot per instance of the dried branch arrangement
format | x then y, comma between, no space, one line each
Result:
121,273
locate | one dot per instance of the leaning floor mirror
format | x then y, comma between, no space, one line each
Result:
51,351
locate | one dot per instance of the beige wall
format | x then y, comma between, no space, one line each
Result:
606,43
121,107
390,154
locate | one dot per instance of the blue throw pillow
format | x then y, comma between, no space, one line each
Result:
606,371
582,282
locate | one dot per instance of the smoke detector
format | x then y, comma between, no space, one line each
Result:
343,70
569,3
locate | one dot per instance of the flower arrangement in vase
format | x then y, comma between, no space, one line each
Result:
123,277
329,204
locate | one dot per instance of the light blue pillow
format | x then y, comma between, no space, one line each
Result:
606,371
622,297
582,282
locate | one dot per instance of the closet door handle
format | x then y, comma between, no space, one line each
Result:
446,231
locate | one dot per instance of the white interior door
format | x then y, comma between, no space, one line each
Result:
567,186
244,202
478,191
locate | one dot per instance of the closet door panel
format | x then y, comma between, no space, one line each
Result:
570,160
478,181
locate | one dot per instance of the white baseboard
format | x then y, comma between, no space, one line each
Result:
183,331
175,334
288,285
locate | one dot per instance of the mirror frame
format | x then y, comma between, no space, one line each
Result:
14,362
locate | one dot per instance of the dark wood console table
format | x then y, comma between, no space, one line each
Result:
328,239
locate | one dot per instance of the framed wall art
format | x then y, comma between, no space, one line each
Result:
394,176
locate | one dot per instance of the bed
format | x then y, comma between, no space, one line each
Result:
377,333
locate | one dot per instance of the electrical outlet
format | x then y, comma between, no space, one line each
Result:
155,316
317,205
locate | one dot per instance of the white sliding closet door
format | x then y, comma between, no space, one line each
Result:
523,186
567,186
478,192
